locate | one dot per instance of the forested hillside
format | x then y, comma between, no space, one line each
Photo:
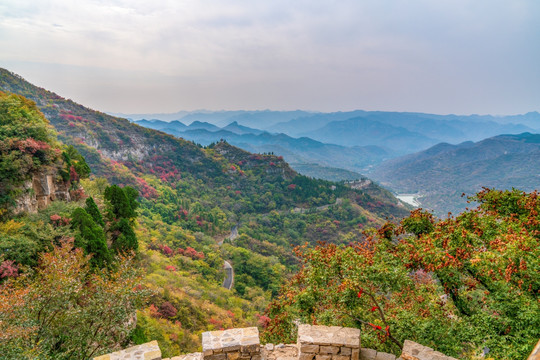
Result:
441,174
190,198
467,286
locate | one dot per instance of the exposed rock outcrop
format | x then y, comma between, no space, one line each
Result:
45,187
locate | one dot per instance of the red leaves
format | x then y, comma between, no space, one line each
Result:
8,268
375,327
360,292
374,308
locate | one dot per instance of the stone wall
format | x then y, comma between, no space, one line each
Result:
232,344
415,351
148,351
317,342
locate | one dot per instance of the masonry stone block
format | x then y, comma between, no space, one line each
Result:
309,348
329,349
232,344
385,356
341,357
345,351
355,354
367,354
323,357
148,351
306,356
220,356
415,351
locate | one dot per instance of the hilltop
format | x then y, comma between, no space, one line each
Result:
443,172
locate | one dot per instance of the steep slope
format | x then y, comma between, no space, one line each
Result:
298,151
442,173
190,198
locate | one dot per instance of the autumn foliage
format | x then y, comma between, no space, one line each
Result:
66,310
460,285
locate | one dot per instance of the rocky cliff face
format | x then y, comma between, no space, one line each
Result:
43,188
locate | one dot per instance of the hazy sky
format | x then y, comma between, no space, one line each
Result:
442,56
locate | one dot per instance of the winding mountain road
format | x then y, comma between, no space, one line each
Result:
229,279
229,271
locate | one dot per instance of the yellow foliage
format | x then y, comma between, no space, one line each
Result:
10,227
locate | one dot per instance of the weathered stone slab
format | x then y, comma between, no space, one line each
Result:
385,356
415,351
192,356
242,340
323,357
220,356
309,348
148,351
325,349
367,354
329,335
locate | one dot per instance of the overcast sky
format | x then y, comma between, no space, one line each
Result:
132,56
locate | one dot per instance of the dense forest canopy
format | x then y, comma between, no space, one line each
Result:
465,286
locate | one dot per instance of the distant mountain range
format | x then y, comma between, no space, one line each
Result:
443,172
314,157
398,133
224,117
348,145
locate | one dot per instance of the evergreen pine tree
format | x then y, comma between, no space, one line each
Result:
92,209
91,238
126,240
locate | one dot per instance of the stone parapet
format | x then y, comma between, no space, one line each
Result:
232,344
192,356
415,351
370,354
317,342
148,351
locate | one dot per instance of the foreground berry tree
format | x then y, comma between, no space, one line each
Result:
464,286
66,309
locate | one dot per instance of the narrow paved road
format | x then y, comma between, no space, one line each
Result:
229,279
234,233
229,271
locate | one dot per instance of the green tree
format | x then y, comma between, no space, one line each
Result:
125,240
91,238
93,210
122,202
458,285
64,310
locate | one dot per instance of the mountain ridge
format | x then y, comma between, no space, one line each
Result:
440,174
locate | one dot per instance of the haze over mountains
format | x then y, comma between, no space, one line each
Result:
398,133
407,152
